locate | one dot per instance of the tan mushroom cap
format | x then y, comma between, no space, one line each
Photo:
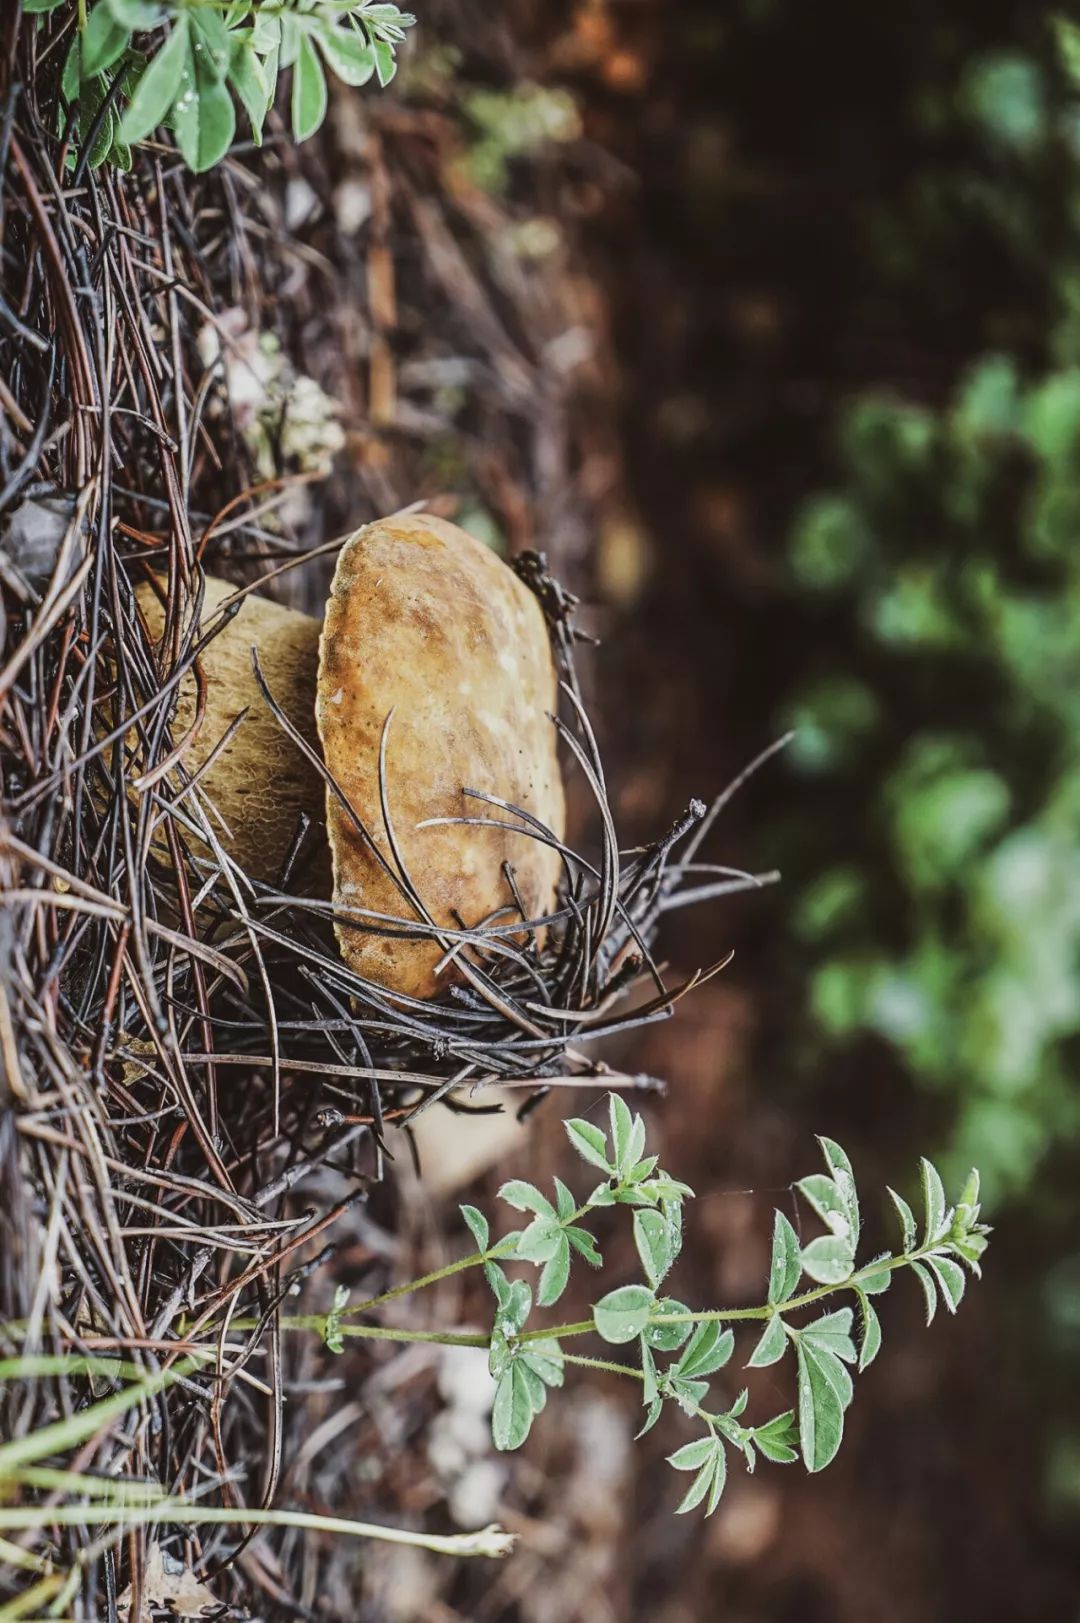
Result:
426,625
259,782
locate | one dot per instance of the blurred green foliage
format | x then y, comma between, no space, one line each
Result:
506,125
944,712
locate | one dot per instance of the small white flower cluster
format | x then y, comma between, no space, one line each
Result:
289,421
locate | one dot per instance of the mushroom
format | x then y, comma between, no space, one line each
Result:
431,675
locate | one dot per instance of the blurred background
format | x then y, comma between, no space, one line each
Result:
824,433
763,319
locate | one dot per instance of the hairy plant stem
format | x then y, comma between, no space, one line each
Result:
502,1249
581,1327
473,1260
488,1541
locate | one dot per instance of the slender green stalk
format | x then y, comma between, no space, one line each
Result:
770,1310
13,1555
735,1315
608,1364
317,1322
488,1541
28,1604
475,1259
373,1332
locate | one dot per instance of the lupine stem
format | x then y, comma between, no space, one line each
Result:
500,1250
489,1541
580,1327
473,1260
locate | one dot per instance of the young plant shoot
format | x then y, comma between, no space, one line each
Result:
680,1349
133,66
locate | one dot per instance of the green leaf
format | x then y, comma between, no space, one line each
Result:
821,1411
347,53
971,1248
498,1281
477,1225
385,66
636,1149
689,1395
841,1381
71,75
697,1490
525,1197
832,1333
540,1241
950,1276
709,1480
589,1142
565,1203
518,1305
928,1290
708,1350
664,1188
828,1260
545,1359
641,1169
933,1201
777,1437
719,1478
211,42
92,94
622,1314
533,1384
135,14
825,1196
784,1270
204,118
875,1281
667,1337
673,1216
907,1221
554,1274
584,1244
120,155
650,1379
653,1241
772,1345
637,1195
163,79
836,1159
870,1342
621,1132
969,1195
512,1414
692,1456
103,41
655,1408
290,38
514,1306
707,1457
249,81
32,6
265,32
308,91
